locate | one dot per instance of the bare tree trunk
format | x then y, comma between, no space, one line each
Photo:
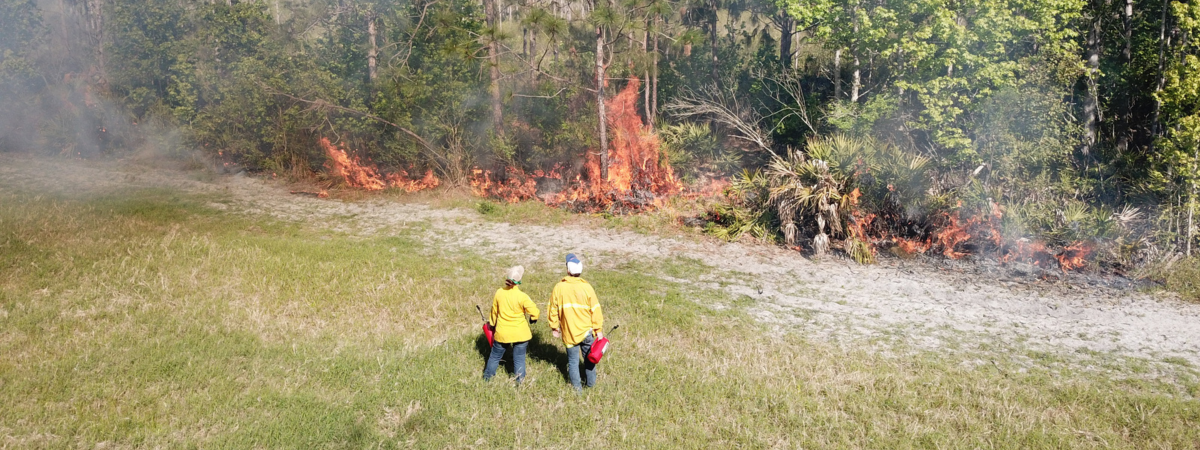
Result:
1162,73
1192,200
95,24
855,80
646,77
787,28
1124,121
533,50
837,74
1127,19
712,41
1091,102
492,15
653,82
600,113
373,51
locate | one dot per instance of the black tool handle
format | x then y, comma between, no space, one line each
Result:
477,308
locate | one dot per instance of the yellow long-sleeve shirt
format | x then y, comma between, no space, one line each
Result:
574,309
509,307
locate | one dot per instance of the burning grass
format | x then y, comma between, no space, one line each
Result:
956,238
149,319
367,177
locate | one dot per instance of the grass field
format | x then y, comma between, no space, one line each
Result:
148,318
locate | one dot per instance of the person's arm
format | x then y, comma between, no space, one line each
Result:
494,315
552,310
597,314
531,309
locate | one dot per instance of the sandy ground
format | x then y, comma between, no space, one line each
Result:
892,306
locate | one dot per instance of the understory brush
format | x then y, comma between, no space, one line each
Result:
149,318
1181,275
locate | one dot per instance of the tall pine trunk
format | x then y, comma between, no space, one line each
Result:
492,15
1192,200
856,78
1156,127
95,24
712,43
372,50
837,74
654,75
1091,110
1127,23
646,77
600,113
787,28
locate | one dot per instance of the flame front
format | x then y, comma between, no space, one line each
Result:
367,177
355,174
637,176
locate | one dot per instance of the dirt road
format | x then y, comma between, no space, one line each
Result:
891,306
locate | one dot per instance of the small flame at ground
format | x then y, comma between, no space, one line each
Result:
1074,256
515,186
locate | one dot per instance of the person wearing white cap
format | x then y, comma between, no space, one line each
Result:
575,316
509,307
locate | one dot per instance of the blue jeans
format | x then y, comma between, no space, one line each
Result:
573,360
498,350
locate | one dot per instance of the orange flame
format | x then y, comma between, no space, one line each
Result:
637,177
951,235
367,177
912,246
1074,256
355,174
515,187
400,180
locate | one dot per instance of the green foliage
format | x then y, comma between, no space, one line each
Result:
943,57
979,103
487,208
745,211
1183,277
1177,171
812,187
822,186
693,147
20,27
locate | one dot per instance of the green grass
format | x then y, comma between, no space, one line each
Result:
1183,277
147,319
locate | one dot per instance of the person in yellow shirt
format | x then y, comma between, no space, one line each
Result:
509,307
575,316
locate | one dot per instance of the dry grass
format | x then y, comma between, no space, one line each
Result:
146,319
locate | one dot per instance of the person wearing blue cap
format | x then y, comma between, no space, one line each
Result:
575,316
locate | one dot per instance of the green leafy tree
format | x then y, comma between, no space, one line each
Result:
1179,159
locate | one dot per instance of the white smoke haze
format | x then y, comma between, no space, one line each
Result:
53,95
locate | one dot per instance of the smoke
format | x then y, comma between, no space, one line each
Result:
53,94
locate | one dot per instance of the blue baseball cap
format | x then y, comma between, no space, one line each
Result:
574,265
